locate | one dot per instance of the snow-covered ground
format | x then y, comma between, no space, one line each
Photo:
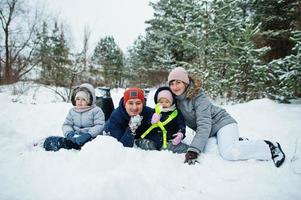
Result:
104,169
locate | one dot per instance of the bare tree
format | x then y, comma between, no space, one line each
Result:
18,25
84,53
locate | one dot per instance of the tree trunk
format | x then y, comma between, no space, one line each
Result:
7,67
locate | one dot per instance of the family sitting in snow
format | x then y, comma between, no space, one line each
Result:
135,124
182,103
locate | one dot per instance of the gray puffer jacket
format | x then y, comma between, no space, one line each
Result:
201,115
90,120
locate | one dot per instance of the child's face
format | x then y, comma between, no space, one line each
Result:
80,102
165,103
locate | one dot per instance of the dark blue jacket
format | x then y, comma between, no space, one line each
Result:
118,124
174,126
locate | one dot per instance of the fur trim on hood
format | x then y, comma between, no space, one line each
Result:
195,87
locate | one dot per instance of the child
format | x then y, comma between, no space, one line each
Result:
168,123
83,123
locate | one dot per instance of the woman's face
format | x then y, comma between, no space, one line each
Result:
134,107
177,87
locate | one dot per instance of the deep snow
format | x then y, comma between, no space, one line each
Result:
104,169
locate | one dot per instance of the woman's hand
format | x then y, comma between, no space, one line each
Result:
191,157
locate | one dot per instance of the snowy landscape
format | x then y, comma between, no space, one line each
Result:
104,169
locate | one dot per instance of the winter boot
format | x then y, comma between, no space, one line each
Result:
278,155
145,144
243,139
53,143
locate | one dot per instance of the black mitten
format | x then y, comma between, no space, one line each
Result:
191,157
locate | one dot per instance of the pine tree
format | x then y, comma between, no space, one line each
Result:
233,60
53,55
280,30
286,74
60,56
276,19
43,53
218,40
108,59
177,32
142,68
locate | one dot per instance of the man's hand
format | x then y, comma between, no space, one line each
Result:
135,122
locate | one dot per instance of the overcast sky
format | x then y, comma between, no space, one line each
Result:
123,19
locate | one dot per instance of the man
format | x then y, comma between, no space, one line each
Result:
130,120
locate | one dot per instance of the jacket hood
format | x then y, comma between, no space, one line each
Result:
84,87
194,88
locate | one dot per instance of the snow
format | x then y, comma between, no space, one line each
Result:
104,169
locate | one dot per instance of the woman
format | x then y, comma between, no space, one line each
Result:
208,120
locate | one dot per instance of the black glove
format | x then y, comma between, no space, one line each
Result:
191,157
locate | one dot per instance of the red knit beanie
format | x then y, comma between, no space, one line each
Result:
133,93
